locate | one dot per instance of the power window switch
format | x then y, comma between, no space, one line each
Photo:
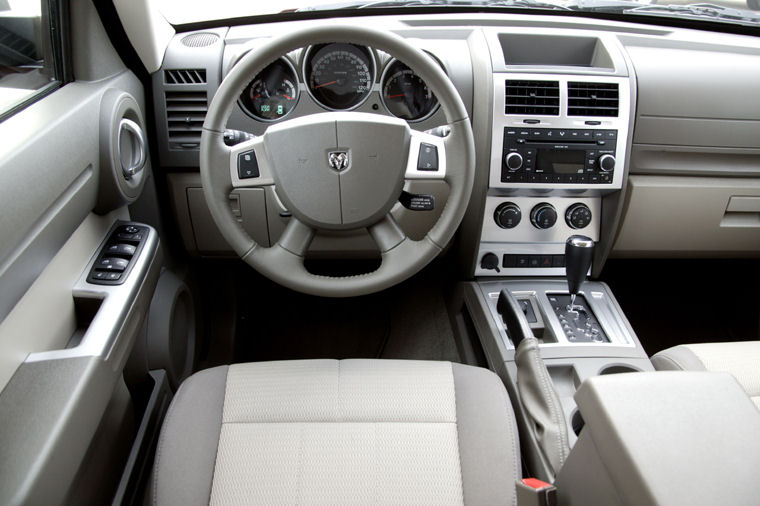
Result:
112,264
100,275
126,250
113,276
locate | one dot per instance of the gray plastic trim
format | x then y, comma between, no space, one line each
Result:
104,334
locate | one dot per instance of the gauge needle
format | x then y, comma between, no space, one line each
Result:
325,84
289,98
395,96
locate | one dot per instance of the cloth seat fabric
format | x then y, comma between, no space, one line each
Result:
339,432
741,359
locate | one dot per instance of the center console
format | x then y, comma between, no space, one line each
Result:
560,128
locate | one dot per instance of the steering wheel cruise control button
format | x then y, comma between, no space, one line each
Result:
428,158
248,167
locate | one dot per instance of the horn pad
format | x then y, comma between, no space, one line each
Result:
339,170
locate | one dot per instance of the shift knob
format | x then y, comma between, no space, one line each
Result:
579,251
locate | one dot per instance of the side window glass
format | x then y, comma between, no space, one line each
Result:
27,66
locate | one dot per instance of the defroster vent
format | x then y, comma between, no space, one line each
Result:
185,113
532,97
592,99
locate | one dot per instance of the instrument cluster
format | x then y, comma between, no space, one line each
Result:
338,77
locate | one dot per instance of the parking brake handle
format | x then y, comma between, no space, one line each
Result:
538,397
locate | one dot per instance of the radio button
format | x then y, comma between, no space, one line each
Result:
513,161
605,177
598,134
611,134
586,134
511,177
593,178
520,141
606,163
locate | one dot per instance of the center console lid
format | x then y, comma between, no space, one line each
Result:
666,438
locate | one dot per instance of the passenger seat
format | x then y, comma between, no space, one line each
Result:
741,359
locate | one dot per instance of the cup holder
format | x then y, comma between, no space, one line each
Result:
617,369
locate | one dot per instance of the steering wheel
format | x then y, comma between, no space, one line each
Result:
337,170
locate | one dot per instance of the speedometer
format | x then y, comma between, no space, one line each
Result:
339,76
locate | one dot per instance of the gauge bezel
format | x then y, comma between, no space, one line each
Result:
373,60
388,65
297,98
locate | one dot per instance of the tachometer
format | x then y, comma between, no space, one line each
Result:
339,76
405,94
273,93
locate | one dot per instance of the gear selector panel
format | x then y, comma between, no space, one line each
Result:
578,322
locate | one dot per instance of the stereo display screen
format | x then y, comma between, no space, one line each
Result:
560,161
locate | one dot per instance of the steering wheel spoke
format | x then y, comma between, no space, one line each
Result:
387,233
427,157
296,237
249,166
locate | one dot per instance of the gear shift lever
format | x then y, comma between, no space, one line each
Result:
579,250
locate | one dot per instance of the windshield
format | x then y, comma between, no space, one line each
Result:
746,12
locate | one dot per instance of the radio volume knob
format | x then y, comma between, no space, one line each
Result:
543,216
513,161
606,163
507,215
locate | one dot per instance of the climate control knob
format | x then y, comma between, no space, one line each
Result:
543,216
606,163
507,215
513,161
578,216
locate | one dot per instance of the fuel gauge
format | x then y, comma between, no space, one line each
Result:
273,93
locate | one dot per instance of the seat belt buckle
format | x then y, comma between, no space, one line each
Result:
534,492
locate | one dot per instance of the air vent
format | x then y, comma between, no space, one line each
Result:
532,97
592,99
192,76
202,39
185,112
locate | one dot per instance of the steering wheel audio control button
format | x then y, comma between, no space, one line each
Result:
428,158
248,167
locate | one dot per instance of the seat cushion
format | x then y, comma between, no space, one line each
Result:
339,432
741,359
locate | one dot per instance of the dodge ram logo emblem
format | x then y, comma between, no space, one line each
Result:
338,160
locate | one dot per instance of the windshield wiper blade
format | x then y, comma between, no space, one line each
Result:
701,10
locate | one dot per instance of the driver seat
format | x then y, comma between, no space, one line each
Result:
339,432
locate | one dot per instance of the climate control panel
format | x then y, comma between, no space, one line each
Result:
525,235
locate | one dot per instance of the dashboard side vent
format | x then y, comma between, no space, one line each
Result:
185,113
532,97
592,99
190,76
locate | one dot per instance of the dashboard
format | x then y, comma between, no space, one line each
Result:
645,139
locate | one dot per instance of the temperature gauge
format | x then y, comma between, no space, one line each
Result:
273,93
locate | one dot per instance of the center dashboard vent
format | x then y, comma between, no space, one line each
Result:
185,113
532,97
592,99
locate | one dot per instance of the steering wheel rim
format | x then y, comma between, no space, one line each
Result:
401,256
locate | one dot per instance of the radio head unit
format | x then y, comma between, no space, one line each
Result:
558,155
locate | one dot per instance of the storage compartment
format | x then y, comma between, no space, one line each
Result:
676,217
557,50
667,438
